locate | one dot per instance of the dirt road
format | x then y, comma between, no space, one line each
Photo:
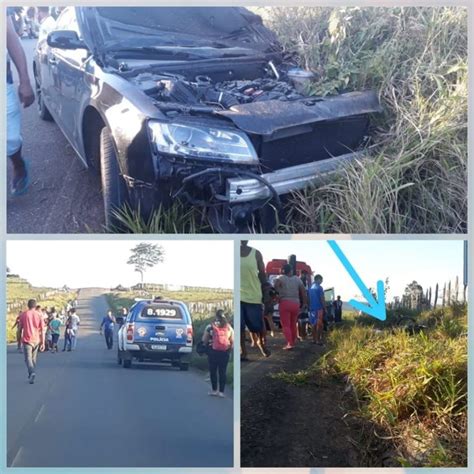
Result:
287,425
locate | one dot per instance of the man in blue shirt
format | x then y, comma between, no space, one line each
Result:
317,307
108,326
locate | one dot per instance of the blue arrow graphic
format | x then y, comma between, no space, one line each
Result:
375,308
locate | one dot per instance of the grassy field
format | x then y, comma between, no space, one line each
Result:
119,300
416,61
19,290
411,388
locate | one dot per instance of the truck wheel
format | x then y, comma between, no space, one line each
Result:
119,358
127,363
183,366
114,190
43,112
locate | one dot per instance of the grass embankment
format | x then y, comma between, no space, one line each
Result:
19,290
200,321
412,388
416,61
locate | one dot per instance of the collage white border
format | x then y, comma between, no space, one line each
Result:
236,239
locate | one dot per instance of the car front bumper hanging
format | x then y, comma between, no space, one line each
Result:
239,190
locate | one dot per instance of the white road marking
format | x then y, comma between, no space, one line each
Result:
39,413
16,456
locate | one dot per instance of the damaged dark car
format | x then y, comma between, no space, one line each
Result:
199,104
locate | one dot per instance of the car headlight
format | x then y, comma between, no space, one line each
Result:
196,141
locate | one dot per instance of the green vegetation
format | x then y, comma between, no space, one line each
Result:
410,385
19,291
416,60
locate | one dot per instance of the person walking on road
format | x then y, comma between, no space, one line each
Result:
317,309
219,337
55,329
293,296
26,96
252,278
32,337
108,326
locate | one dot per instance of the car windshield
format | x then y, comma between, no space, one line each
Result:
161,311
145,28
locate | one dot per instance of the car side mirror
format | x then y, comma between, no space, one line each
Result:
65,39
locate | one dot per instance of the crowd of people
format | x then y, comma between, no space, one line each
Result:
39,329
303,310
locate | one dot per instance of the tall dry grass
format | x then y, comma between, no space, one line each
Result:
416,59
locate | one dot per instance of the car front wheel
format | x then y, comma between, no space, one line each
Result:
113,185
43,111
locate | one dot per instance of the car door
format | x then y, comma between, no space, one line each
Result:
68,78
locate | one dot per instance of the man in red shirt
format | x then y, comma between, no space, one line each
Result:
32,337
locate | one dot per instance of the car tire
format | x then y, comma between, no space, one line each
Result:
113,186
119,358
183,366
127,363
43,112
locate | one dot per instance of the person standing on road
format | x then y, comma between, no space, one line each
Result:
32,337
108,326
26,96
55,329
252,278
270,299
293,296
67,333
219,337
75,322
337,304
17,325
317,309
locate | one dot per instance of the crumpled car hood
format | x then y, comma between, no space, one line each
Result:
265,118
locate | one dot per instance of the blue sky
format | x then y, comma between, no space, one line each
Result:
402,261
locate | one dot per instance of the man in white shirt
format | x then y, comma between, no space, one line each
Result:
46,21
74,323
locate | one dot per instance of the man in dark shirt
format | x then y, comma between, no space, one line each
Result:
26,96
108,326
337,304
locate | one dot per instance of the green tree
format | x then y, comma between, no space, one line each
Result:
145,256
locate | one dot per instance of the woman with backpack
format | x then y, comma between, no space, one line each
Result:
219,338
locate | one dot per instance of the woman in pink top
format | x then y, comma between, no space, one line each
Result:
292,296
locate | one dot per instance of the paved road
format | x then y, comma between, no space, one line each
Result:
84,410
64,196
